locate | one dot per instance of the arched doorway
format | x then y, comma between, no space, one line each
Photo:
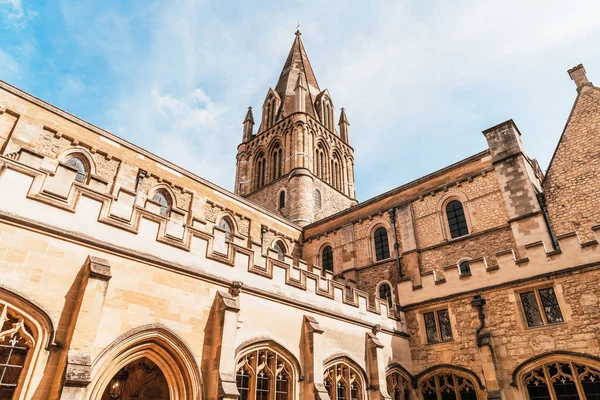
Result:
139,380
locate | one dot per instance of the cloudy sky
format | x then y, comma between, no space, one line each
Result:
420,80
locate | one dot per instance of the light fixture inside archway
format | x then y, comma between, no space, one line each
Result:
117,384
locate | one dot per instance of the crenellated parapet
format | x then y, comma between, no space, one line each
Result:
538,259
89,214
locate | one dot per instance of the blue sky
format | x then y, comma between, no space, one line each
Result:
419,80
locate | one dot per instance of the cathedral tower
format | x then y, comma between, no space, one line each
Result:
297,164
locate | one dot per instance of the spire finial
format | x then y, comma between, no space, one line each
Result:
298,33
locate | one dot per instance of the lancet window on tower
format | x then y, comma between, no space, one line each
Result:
277,162
320,162
260,169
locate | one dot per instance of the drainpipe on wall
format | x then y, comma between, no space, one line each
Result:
488,358
541,198
392,213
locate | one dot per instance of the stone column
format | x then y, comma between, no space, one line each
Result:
312,360
376,366
219,359
84,327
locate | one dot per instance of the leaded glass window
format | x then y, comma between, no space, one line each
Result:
226,226
448,386
15,342
327,259
264,374
437,326
382,246
346,380
540,307
163,200
385,293
566,380
465,268
398,385
80,166
278,247
457,221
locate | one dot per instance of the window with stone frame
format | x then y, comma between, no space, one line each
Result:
385,293
225,225
265,374
317,199
382,245
540,307
260,169
327,259
398,385
16,340
164,200
282,199
447,386
457,221
280,249
343,382
437,326
80,165
464,268
563,380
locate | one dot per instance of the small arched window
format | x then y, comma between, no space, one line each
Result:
282,199
278,247
317,199
163,199
382,246
225,225
465,268
261,165
385,293
457,222
80,166
327,259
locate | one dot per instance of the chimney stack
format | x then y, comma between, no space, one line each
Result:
577,74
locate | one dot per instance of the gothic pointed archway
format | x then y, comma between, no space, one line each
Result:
153,346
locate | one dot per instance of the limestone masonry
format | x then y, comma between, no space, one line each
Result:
124,276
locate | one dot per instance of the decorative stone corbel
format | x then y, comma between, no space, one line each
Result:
312,360
84,326
376,366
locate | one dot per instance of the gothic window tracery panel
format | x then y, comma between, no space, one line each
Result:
343,382
448,386
16,341
398,386
264,374
563,380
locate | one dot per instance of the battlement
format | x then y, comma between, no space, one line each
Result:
536,260
40,193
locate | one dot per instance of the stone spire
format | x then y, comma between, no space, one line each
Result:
248,125
297,71
344,127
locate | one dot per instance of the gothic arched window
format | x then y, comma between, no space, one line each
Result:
398,385
261,166
382,246
265,374
457,222
161,197
277,161
385,293
80,165
317,199
225,225
282,199
327,259
448,386
563,380
280,249
343,382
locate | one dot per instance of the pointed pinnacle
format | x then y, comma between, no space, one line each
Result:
249,116
343,117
